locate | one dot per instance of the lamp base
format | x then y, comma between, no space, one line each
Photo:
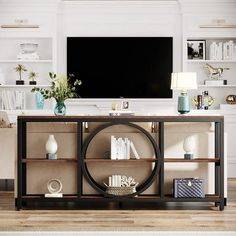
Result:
183,103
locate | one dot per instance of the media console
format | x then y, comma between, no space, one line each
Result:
81,162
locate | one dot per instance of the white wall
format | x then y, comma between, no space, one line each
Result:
121,18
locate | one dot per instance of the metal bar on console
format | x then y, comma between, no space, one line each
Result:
19,164
161,146
79,158
221,165
217,155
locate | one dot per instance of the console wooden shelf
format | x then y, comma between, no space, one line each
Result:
118,161
193,160
82,161
46,160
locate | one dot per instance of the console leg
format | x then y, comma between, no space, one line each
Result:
222,205
225,201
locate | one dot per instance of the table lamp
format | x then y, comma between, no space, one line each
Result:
184,81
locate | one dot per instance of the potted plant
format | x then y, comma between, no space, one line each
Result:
61,88
20,68
32,76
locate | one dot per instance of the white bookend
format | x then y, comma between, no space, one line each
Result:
134,150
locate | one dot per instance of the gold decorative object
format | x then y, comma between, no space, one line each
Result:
231,99
214,73
211,100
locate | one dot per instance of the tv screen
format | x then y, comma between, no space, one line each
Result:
121,67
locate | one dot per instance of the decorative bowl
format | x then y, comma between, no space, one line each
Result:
28,47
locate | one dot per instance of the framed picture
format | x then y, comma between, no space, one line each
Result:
196,49
125,105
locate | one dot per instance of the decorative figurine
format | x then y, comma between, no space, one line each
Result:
214,73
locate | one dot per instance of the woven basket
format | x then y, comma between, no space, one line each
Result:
119,191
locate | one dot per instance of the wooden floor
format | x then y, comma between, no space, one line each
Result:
172,217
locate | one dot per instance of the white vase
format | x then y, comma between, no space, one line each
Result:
51,144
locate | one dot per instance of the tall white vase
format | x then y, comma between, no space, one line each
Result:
189,146
51,145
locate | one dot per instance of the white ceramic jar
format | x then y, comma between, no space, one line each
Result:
51,144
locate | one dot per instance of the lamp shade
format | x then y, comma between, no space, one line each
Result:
184,81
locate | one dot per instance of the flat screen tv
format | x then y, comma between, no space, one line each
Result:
121,67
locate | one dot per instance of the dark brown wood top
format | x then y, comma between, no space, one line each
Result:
107,118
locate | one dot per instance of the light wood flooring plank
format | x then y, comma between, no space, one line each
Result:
170,217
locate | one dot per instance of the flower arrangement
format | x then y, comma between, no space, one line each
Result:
60,88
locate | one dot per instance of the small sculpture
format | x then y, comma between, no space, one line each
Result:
231,99
214,73
196,102
51,148
54,187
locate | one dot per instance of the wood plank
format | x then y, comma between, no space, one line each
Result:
149,217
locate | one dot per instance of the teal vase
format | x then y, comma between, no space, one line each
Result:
183,103
60,108
39,100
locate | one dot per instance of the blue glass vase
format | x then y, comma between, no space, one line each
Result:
60,108
39,101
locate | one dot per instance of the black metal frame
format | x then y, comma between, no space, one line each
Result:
82,170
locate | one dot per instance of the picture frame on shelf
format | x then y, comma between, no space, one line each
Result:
196,49
125,105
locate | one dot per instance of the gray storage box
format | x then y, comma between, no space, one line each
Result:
188,188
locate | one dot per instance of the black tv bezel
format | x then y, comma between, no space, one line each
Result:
121,97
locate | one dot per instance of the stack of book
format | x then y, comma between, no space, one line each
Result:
121,149
13,100
121,181
223,51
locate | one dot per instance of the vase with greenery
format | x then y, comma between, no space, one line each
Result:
61,89
20,69
32,76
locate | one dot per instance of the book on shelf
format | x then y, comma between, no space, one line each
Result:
215,82
13,100
121,149
222,51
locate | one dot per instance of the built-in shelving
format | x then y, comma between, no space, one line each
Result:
24,86
211,61
25,61
216,86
